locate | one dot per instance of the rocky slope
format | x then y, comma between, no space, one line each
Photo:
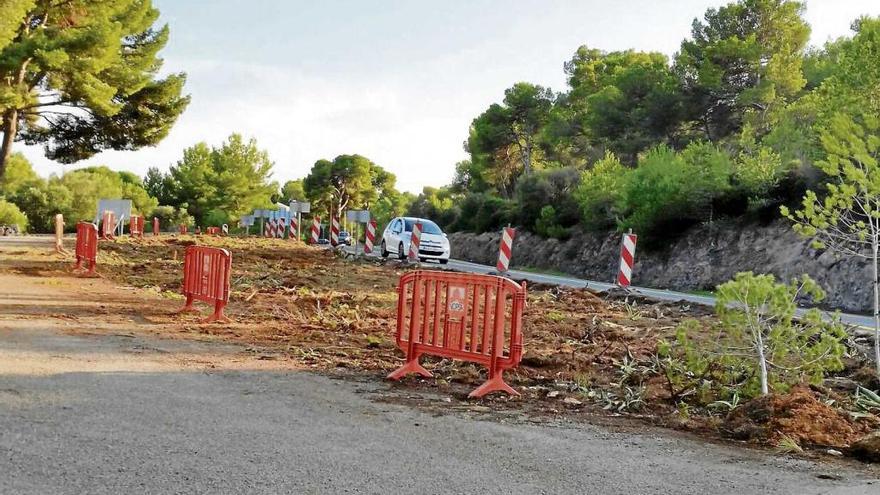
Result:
701,259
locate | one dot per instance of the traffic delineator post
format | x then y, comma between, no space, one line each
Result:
370,237
182,229
86,249
206,277
505,250
294,227
334,231
468,317
316,230
155,226
415,243
627,259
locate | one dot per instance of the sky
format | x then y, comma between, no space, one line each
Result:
398,81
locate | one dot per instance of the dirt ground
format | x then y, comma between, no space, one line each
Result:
292,306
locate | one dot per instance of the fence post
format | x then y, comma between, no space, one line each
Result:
59,234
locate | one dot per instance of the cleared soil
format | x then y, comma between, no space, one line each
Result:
297,307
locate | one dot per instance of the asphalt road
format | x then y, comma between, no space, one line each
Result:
659,294
134,428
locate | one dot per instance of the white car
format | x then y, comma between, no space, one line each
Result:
434,244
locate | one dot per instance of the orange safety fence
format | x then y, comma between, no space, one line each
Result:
182,229
212,230
474,318
136,226
108,225
86,247
206,277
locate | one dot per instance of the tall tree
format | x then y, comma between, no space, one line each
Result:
293,189
80,76
345,182
233,178
743,59
503,140
624,101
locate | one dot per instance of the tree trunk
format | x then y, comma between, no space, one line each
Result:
762,361
10,128
874,247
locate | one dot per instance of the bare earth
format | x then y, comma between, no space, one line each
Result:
98,397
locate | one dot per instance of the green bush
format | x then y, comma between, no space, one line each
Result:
757,346
170,217
482,212
548,225
216,218
600,193
554,187
11,215
670,191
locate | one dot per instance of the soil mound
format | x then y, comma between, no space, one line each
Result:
797,415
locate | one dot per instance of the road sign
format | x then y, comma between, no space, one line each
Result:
358,216
300,206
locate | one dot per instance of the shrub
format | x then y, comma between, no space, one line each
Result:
11,215
548,225
554,187
757,346
600,193
671,189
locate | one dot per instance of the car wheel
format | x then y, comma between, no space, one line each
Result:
384,250
443,262
400,254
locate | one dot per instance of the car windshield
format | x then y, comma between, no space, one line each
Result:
428,227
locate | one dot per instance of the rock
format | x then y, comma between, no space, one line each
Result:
571,401
835,453
553,394
867,448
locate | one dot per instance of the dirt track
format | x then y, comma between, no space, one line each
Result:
99,393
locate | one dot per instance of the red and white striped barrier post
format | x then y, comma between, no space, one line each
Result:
370,237
334,231
294,227
505,250
414,242
627,259
316,230
267,227
281,228
155,226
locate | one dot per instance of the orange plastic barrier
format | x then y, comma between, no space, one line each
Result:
212,230
475,318
108,226
136,226
206,275
182,229
86,247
